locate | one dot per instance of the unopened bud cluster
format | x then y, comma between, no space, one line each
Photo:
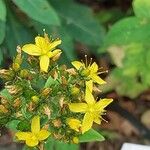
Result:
48,90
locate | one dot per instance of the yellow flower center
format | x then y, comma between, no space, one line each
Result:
85,72
91,108
33,137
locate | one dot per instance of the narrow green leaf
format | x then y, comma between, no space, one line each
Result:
39,10
142,9
6,94
50,81
91,135
2,20
3,11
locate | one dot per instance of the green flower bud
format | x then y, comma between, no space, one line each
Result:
75,140
74,91
24,73
15,66
6,74
85,72
35,99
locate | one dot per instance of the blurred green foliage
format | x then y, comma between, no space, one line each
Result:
128,42
21,20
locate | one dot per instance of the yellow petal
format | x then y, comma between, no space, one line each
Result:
102,103
74,124
97,120
23,135
78,107
40,41
32,49
53,53
89,97
54,44
43,134
32,142
93,68
97,79
44,63
96,117
35,125
77,64
87,122
89,85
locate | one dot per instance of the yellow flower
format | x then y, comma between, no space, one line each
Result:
92,109
74,124
35,136
44,48
90,71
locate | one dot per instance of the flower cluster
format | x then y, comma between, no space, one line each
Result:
50,100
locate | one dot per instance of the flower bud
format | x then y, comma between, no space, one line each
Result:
75,140
18,58
4,101
6,74
64,81
46,92
57,136
13,89
16,66
24,73
85,72
35,99
71,71
17,102
57,123
74,91
56,57
74,124
47,111
3,109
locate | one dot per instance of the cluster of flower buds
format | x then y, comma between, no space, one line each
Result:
47,99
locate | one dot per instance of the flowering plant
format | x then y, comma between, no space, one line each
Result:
48,100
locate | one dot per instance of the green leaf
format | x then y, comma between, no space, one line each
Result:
49,144
52,144
39,10
50,81
79,21
13,125
1,56
126,31
142,9
2,20
65,146
91,135
6,94
3,11
16,34
2,31
131,87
